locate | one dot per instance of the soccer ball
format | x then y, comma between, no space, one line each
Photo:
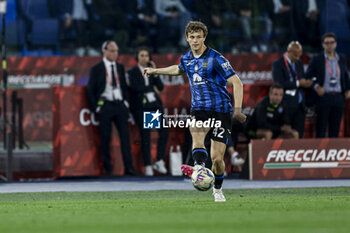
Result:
203,179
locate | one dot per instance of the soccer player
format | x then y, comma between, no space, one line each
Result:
208,72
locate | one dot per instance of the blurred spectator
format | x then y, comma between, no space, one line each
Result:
221,20
144,22
29,11
108,95
204,11
77,18
173,18
337,21
280,12
306,16
288,71
270,119
113,22
235,25
332,85
256,28
189,5
144,92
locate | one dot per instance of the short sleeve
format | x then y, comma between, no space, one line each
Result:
223,66
181,65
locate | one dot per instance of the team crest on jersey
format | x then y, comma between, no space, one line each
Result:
226,66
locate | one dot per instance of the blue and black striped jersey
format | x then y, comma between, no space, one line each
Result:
207,77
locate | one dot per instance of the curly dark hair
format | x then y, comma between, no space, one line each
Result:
195,26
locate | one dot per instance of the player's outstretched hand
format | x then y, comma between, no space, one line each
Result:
239,117
148,71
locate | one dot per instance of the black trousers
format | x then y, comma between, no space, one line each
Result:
146,138
117,113
297,118
329,109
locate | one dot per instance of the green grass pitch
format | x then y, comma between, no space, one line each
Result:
268,210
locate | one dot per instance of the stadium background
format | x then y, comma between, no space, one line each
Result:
48,75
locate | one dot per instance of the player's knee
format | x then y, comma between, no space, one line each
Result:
218,152
217,160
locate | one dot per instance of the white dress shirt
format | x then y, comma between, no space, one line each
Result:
111,93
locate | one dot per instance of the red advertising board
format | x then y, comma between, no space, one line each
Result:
282,159
76,138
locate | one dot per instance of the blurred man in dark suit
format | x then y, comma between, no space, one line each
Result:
306,17
107,92
288,71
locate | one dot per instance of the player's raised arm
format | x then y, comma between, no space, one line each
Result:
238,97
170,70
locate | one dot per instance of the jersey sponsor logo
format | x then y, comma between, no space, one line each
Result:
226,66
197,78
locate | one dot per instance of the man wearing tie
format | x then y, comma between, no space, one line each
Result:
332,86
288,71
107,93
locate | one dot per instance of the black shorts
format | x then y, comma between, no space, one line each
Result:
220,134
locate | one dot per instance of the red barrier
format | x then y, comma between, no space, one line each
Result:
76,138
